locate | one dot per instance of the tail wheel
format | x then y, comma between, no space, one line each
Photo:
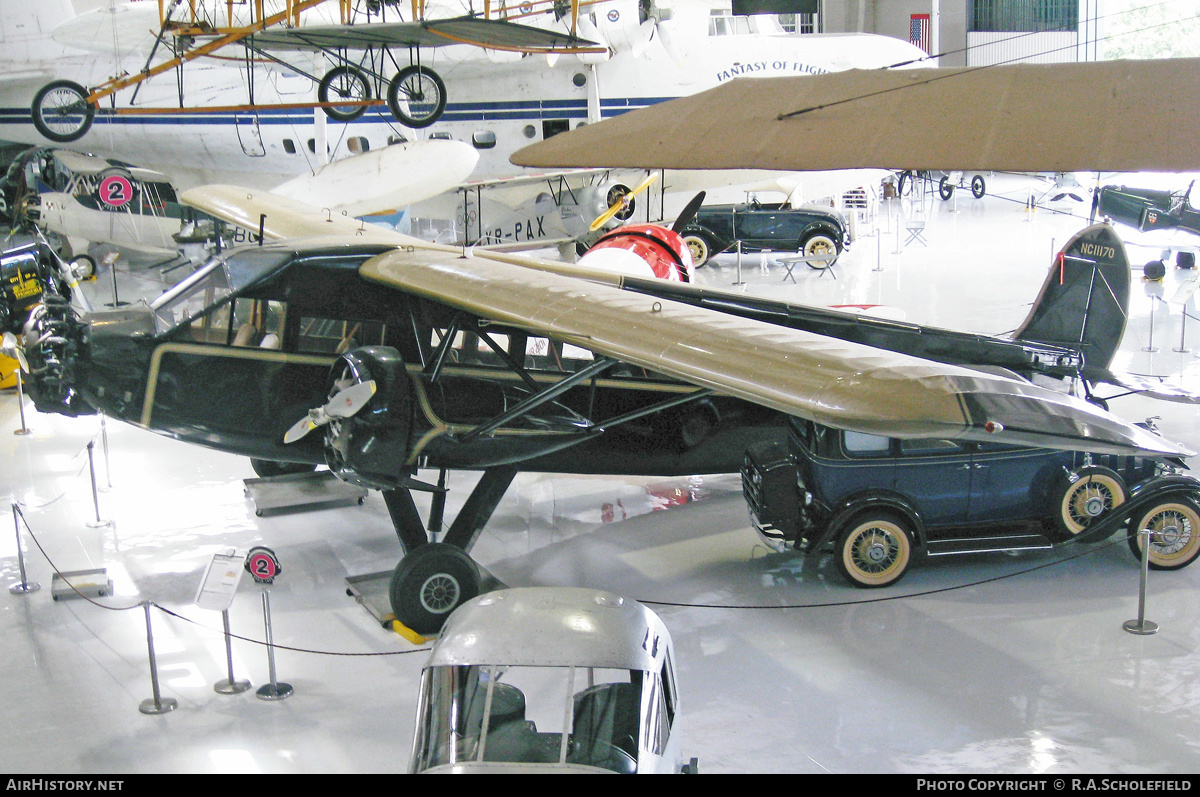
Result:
1174,534
344,82
945,189
978,186
699,247
416,96
430,583
816,245
874,551
61,111
1095,492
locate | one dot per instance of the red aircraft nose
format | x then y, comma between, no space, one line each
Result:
643,250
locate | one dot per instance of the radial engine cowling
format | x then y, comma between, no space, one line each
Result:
371,447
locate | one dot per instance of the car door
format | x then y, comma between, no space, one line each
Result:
1009,483
935,476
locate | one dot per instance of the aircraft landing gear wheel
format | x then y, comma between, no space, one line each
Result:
344,83
1095,492
945,189
416,96
83,267
61,111
699,247
978,186
430,583
819,244
1174,534
874,551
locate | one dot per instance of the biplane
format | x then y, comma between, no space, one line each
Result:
359,40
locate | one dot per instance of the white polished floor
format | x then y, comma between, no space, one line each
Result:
782,667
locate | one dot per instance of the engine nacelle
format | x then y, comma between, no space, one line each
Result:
371,448
642,250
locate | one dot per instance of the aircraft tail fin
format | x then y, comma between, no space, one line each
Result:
1084,302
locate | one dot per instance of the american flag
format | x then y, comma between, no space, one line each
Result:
918,31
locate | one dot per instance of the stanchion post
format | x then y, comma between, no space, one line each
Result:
25,586
157,704
274,690
21,404
739,264
98,522
231,685
1141,625
1182,347
1150,343
104,445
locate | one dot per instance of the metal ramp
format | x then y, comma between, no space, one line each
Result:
300,492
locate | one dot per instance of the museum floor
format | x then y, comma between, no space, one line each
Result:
984,664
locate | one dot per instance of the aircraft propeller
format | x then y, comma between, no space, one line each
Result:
688,213
622,203
343,404
9,347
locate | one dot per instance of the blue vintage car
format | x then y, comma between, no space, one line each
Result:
877,502
770,227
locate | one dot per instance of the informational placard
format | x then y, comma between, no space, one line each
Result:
263,565
220,581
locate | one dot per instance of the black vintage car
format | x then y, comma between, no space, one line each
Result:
877,503
766,227
1150,209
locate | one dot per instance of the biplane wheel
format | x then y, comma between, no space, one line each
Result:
1094,492
978,186
429,583
945,189
61,111
416,96
344,82
1174,526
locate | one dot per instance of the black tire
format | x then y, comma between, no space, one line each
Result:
416,96
819,243
1154,271
874,550
1094,493
267,468
61,112
945,189
344,82
1174,527
905,186
1185,260
430,583
978,186
700,247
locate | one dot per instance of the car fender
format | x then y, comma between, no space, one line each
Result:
1142,496
874,500
839,236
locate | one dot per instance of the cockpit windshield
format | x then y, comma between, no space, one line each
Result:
580,716
212,283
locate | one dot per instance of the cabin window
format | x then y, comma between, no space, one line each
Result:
534,715
358,144
289,146
483,139
858,444
257,323
929,447
337,336
552,127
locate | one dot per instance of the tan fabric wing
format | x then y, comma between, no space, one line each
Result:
1109,116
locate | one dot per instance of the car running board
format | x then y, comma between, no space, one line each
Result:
1007,542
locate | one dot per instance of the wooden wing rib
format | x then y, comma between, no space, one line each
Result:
826,380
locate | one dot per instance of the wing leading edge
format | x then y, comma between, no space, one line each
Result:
833,382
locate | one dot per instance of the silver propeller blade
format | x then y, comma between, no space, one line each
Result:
11,348
342,405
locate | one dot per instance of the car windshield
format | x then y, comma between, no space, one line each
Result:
580,716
